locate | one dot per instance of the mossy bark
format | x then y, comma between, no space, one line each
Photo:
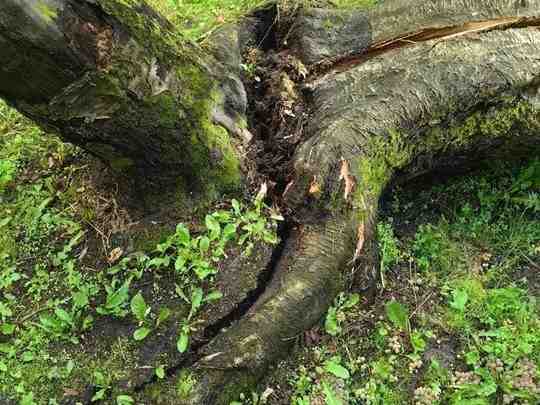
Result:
116,79
436,104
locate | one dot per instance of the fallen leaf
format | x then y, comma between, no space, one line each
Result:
262,191
246,135
314,187
266,394
115,254
288,87
312,337
301,69
288,188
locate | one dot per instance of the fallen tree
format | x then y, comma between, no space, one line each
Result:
438,85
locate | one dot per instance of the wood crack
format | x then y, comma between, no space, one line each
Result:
345,62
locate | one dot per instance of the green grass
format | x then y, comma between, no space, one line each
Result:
34,227
197,18
457,265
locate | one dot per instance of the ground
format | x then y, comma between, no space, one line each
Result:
454,321
87,301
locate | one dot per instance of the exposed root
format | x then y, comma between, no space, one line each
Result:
308,276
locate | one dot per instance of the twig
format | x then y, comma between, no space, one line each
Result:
421,305
31,315
531,262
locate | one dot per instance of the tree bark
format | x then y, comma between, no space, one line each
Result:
116,79
449,100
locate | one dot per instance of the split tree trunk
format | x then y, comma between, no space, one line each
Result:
113,77
397,109
116,79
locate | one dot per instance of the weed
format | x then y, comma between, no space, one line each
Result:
336,314
388,248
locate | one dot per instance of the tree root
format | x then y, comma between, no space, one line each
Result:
436,104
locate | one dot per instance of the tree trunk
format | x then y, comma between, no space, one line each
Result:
116,79
434,84
463,91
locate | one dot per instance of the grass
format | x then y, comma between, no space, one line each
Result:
49,296
197,18
55,285
52,299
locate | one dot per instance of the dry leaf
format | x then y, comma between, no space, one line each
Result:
299,67
115,254
288,87
262,191
266,394
288,188
246,135
314,187
350,181
312,337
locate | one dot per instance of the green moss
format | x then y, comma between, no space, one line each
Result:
173,108
46,12
147,240
224,170
147,27
397,149
503,121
